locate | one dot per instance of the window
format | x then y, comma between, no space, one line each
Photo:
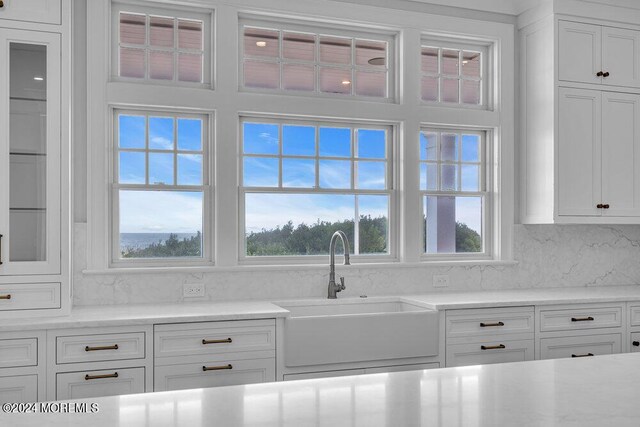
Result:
452,180
160,46
454,74
160,186
327,61
302,181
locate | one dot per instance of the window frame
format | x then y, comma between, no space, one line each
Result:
486,70
207,188
207,16
486,182
320,29
390,191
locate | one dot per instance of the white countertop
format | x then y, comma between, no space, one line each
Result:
146,314
597,391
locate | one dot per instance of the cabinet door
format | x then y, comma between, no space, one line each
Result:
30,152
621,57
489,352
21,388
47,11
83,385
621,154
579,151
580,52
581,346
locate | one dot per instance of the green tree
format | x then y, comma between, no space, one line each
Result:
467,239
173,247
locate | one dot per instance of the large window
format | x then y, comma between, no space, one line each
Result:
326,61
453,182
302,181
160,186
161,46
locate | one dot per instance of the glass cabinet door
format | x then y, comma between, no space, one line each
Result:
30,153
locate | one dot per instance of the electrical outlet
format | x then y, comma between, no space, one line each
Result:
441,281
192,290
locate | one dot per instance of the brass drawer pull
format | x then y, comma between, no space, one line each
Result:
100,377
106,347
217,368
1,3
8,296
493,347
487,325
224,341
582,355
582,319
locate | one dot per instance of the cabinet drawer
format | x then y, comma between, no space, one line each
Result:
20,388
86,384
97,348
214,338
585,345
580,318
18,352
489,352
634,315
26,296
214,374
490,321
46,11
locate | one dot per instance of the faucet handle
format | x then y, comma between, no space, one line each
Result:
342,287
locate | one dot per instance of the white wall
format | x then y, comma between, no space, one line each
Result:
547,256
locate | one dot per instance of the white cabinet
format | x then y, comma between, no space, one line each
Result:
19,389
45,11
580,48
488,352
86,384
373,370
580,346
598,54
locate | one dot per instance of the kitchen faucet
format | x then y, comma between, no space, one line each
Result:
333,287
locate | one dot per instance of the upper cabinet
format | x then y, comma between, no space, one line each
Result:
41,11
580,118
34,161
597,54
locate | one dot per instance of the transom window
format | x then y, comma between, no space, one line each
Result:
160,185
302,181
323,61
453,74
161,46
452,181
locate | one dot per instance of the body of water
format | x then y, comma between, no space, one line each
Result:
143,240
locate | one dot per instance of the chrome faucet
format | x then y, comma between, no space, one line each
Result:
333,287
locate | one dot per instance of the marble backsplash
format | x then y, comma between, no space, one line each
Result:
546,255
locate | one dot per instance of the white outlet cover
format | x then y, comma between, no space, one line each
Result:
193,290
441,281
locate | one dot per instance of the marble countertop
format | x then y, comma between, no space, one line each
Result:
595,391
146,314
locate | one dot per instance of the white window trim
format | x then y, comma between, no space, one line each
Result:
228,103
334,29
147,8
206,188
391,190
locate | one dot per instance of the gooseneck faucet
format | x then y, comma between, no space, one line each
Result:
333,287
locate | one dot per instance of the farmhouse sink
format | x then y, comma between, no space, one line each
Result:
341,331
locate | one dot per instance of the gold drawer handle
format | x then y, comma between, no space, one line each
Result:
8,296
100,377
582,319
106,347
217,368
582,355
493,347
488,325
224,341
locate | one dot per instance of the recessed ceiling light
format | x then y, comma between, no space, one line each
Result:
38,78
346,82
380,60
465,62
261,43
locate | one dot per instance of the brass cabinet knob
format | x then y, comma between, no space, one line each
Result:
599,74
1,3
599,206
636,343
606,74
605,206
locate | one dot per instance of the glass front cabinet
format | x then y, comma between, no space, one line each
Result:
32,270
